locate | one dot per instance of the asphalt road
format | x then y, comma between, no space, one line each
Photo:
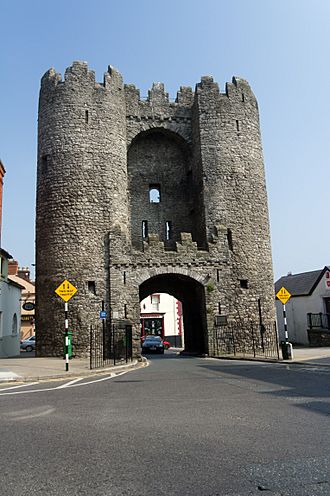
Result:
182,426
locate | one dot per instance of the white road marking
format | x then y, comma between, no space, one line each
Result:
99,380
20,386
112,376
19,416
68,384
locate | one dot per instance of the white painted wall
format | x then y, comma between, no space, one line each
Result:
9,306
297,309
167,305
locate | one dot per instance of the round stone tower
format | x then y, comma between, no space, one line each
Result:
235,197
81,182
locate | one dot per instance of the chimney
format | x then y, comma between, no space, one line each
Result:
24,273
12,267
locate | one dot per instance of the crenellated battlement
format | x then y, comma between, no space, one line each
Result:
79,75
239,90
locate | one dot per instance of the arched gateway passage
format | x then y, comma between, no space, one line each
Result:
191,293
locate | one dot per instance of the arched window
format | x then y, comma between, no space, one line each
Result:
154,193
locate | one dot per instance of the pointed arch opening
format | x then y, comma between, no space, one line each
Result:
164,191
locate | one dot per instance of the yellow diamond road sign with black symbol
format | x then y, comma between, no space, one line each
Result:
66,290
283,295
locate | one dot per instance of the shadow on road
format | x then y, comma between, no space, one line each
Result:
294,381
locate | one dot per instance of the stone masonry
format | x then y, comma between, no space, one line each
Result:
206,240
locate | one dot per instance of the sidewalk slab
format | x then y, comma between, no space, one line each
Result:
37,369
7,375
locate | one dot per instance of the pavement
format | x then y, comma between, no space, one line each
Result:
27,367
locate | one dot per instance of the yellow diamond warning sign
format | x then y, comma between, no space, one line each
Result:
66,290
283,295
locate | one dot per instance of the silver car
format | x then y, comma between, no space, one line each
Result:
28,344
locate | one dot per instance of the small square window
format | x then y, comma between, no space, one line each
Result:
91,287
244,283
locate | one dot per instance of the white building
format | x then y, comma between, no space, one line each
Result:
10,310
161,314
309,304
21,275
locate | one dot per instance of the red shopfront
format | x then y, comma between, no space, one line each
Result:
152,323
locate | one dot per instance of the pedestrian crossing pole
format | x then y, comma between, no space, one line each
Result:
66,305
286,335
65,291
283,295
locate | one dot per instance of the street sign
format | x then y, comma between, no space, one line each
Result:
103,314
283,295
66,290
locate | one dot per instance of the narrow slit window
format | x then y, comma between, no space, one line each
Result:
86,116
243,97
154,193
218,275
168,230
144,229
44,162
125,311
124,277
219,308
237,126
230,239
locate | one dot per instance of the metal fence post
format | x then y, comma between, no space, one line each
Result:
276,338
90,349
233,337
126,343
113,345
253,343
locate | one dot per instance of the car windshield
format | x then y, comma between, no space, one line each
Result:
153,338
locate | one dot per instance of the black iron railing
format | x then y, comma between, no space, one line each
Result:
318,320
246,339
110,345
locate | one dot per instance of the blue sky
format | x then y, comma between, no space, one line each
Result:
280,46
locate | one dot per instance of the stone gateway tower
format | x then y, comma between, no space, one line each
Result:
136,197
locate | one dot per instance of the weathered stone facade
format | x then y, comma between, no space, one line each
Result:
206,242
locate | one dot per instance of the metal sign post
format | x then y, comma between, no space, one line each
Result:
103,316
283,295
65,291
66,336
